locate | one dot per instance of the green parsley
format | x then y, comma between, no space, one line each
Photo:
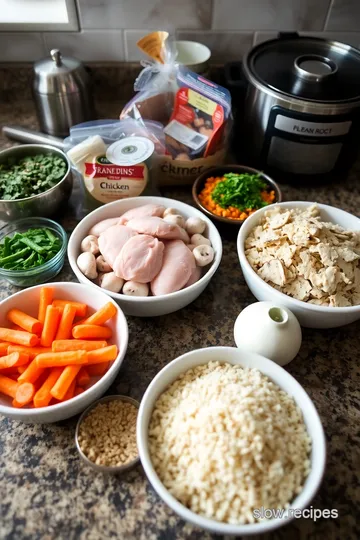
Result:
29,249
30,175
241,191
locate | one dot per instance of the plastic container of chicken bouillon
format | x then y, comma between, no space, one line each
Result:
112,160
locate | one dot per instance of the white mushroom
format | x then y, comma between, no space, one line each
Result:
199,240
191,246
102,265
184,236
195,225
170,212
90,243
133,288
110,282
175,219
87,264
203,254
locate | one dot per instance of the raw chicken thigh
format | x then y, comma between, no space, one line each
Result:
112,240
142,211
178,266
156,226
100,227
140,259
148,248
194,277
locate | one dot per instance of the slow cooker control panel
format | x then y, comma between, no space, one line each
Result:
306,144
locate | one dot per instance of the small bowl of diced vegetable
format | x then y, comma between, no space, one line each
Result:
32,251
231,193
35,180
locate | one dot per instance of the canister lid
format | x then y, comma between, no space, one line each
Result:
59,74
130,151
312,69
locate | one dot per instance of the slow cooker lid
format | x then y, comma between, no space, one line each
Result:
309,68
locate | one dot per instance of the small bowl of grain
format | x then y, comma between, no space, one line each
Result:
105,435
224,434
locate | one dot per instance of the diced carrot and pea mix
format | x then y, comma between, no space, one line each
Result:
235,196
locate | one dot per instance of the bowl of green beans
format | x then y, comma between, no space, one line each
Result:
32,251
35,180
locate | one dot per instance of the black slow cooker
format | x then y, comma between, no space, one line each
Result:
300,120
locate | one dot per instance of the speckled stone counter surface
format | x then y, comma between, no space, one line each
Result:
46,492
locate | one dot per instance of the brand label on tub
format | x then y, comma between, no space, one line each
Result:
311,129
107,182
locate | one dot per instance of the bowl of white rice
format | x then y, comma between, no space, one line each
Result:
227,438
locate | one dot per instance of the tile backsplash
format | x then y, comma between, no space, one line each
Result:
111,28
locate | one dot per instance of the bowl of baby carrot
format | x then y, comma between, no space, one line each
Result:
231,193
61,347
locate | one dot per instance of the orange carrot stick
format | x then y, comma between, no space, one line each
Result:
51,322
21,369
78,391
31,373
63,345
70,392
81,309
43,397
14,360
46,297
8,386
40,381
30,351
83,377
25,321
10,372
107,354
98,369
16,327
24,394
63,383
66,321
61,359
4,349
20,338
102,315
12,376
86,331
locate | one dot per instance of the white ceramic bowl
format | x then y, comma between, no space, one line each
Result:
279,376
309,315
195,56
27,300
150,306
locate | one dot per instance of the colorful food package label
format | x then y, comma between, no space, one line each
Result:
185,135
120,173
197,123
107,182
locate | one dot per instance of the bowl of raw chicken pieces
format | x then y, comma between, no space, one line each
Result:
153,255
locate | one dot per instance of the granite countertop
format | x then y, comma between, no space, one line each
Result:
46,492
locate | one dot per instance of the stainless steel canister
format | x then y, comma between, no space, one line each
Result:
62,93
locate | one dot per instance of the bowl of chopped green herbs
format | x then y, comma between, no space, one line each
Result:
231,193
35,180
32,251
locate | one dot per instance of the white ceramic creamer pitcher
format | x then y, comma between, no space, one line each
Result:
270,330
